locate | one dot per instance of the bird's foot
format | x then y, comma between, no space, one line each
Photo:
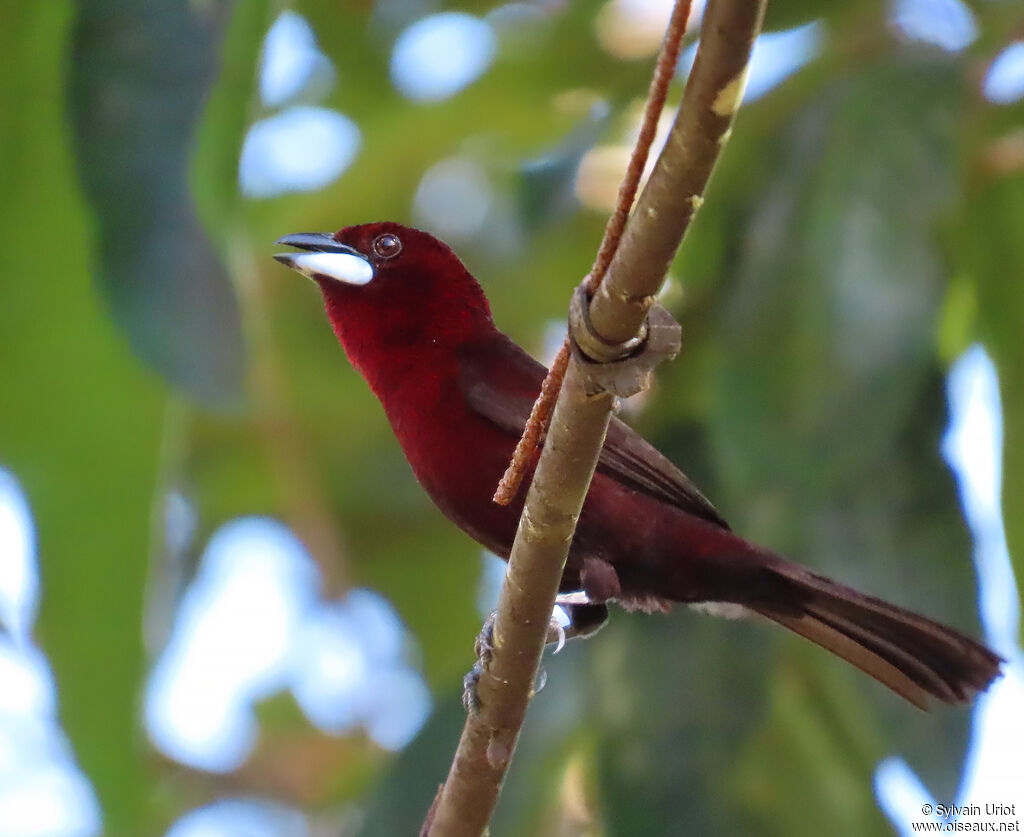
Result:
484,644
585,619
483,647
470,693
556,634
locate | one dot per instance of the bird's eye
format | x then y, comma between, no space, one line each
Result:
387,246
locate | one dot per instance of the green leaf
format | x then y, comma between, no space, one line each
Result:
79,426
138,75
231,106
827,405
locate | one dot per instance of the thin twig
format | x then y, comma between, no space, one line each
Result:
540,412
664,71
573,444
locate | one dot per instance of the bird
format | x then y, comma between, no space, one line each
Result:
457,392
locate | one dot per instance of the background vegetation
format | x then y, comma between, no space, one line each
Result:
863,229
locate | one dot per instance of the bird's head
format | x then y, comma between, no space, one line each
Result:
391,291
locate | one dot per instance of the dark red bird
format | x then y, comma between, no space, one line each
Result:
457,391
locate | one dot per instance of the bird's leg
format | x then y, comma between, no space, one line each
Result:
586,608
585,619
483,647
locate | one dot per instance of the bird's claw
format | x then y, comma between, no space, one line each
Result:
483,647
484,644
470,694
556,635
575,603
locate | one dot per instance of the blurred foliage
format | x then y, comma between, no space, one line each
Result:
80,421
137,76
862,230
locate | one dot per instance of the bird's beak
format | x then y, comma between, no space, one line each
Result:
325,257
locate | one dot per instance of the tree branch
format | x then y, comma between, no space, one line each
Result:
569,456
675,189
664,71
545,531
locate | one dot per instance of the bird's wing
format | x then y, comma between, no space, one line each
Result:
501,381
634,461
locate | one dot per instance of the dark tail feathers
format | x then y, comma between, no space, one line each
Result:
912,655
